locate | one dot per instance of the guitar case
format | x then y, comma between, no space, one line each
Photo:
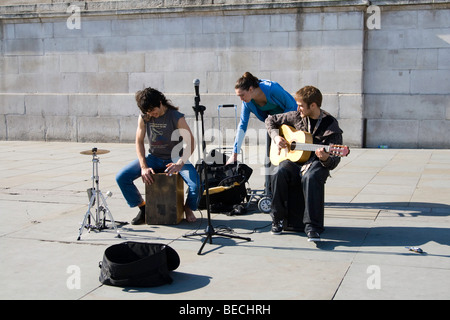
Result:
226,182
138,264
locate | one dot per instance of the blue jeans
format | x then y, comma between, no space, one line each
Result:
126,176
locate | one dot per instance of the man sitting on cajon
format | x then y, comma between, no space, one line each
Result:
167,130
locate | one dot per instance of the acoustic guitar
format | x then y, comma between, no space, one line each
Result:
300,147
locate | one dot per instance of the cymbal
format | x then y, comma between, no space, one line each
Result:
94,150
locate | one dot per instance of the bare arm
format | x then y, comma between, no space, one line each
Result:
146,172
188,139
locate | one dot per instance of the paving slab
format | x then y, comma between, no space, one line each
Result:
378,201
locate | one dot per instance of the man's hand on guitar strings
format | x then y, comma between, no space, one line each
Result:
322,154
281,143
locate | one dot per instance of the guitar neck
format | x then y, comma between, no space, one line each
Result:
310,147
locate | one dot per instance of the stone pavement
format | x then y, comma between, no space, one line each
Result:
378,201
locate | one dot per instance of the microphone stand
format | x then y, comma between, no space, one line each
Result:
209,231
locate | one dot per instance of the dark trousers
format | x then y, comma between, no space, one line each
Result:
311,194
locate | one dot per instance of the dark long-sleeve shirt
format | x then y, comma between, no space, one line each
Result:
327,132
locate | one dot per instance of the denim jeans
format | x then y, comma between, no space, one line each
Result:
126,176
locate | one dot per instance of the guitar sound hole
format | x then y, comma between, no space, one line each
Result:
293,144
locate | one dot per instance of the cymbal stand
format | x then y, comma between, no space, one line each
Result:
96,221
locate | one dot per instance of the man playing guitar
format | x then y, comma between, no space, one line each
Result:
311,173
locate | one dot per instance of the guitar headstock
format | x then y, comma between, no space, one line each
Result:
339,150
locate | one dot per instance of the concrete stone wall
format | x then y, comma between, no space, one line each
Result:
407,79
63,83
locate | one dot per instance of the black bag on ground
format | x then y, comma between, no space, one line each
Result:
226,183
138,264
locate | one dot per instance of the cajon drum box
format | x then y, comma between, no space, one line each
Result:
164,199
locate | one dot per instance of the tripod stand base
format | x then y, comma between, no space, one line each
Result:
96,228
100,224
209,233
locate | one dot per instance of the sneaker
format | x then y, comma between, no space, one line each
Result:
277,227
139,219
313,236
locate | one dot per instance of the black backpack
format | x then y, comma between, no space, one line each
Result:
226,182
138,264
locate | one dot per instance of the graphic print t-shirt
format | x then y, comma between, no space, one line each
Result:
163,135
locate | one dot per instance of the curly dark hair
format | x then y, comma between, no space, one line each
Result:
150,98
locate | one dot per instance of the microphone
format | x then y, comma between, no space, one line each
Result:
196,85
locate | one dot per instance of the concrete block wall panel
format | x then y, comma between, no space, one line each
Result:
406,81
79,84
